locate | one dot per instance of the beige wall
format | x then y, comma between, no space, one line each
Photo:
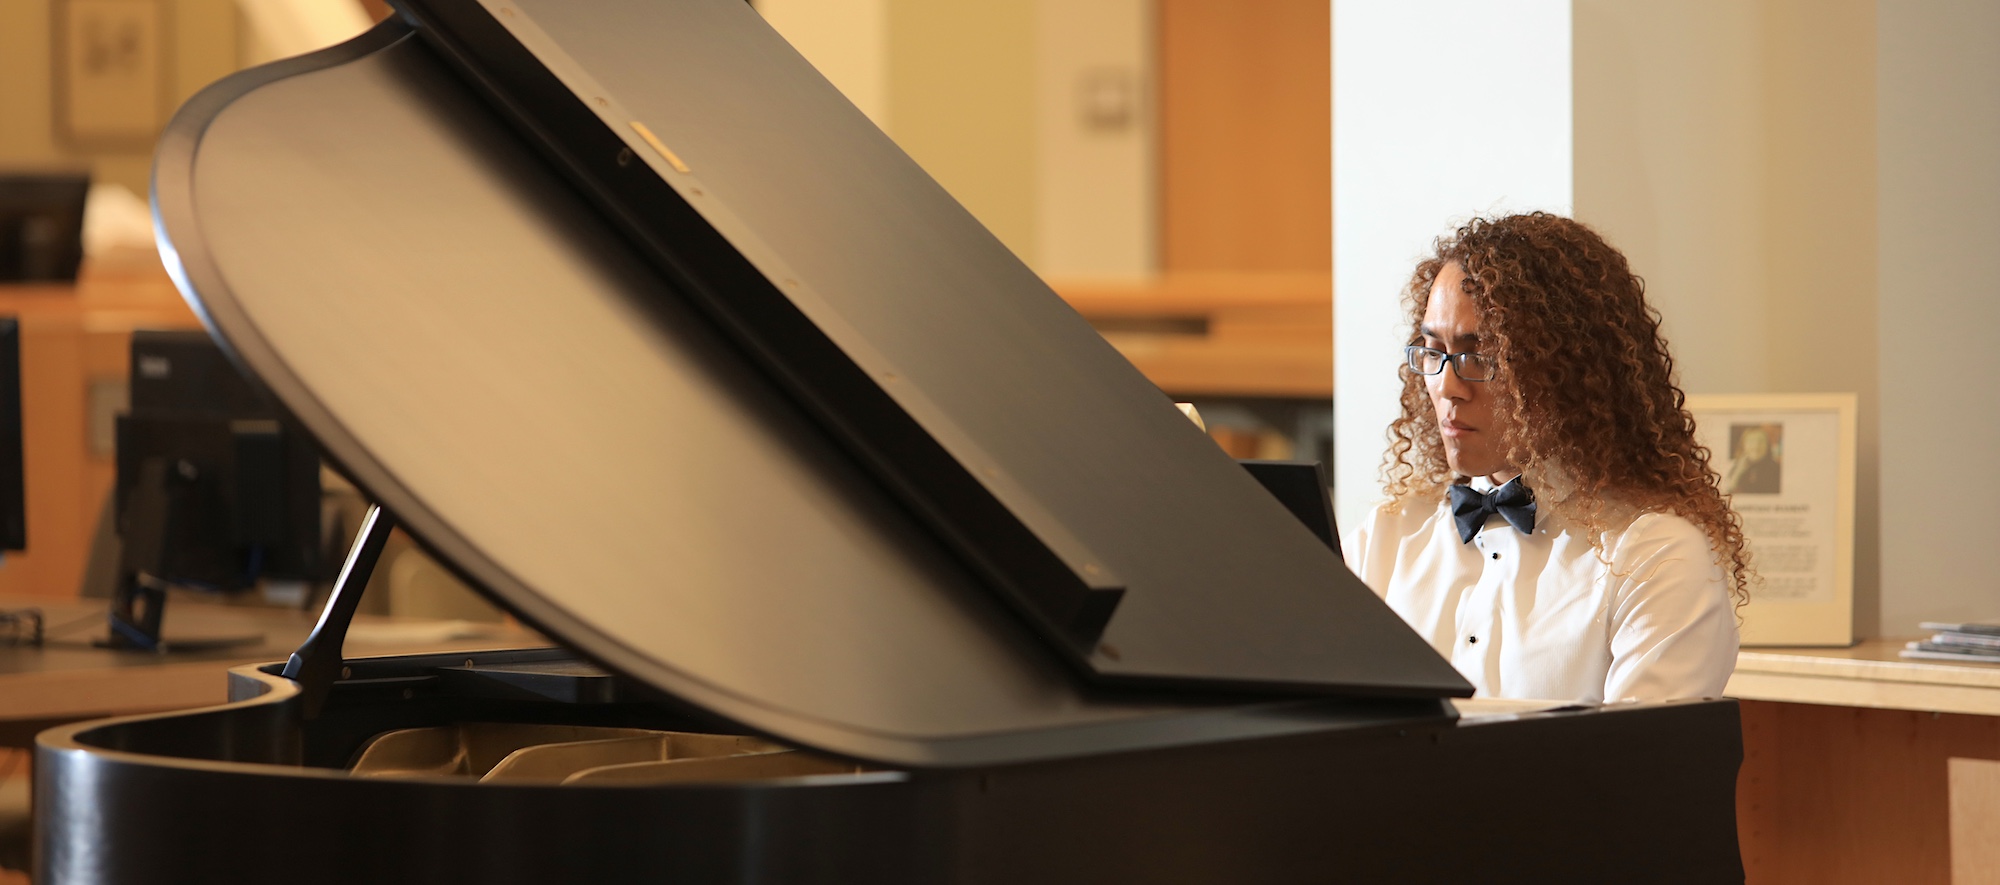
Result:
1095,172
202,47
847,40
1938,78
1728,148
962,98
1669,159
987,96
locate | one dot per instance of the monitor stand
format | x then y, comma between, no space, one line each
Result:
138,609
138,605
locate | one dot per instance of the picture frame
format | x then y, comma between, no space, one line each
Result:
111,72
1787,463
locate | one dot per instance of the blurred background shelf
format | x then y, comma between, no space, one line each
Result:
1252,350
1242,334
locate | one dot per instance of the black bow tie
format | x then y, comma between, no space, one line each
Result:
1513,501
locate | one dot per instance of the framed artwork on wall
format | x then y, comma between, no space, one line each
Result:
1787,463
112,77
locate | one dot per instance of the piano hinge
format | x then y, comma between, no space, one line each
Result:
317,663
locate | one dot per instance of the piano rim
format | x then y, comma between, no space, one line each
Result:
912,800
279,693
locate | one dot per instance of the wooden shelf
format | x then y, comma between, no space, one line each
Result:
1217,334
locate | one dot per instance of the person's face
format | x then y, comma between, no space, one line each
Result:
1472,432
1755,445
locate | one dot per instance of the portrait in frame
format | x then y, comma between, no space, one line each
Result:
1787,465
111,72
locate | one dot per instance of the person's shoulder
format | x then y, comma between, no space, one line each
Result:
1386,525
1385,529
1656,534
1396,518
1662,523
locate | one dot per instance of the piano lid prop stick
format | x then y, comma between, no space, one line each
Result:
317,663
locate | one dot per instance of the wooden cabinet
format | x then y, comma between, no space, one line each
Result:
1846,761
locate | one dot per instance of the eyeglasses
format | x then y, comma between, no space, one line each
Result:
1469,366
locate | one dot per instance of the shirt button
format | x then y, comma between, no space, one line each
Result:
1496,554
1472,639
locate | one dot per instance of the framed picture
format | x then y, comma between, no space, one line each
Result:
1787,465
111,72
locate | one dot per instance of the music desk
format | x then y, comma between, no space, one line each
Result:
1844,777
66,679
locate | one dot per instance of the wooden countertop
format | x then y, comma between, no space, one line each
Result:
1868,674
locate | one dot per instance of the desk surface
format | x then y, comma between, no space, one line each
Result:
67,678
1866,675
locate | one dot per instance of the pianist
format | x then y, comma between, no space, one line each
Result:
1552,527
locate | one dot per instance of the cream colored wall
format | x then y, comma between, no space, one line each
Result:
1728,148
1095,171
203,48
1669,163
984,94
1938,78
962,92
847,40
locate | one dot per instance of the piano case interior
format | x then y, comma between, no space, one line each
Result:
871,560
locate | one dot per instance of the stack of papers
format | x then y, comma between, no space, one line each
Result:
1977,641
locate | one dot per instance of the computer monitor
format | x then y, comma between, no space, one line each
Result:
13,474
218,488
1301,487
41,226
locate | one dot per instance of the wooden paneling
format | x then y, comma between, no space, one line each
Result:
71,337
1834,795
1246,136
1975,822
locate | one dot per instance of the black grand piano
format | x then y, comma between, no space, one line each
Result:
871,561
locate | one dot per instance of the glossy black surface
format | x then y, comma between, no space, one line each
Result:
1638,793
484,355
461,332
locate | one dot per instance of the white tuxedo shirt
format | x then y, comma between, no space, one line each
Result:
1545,615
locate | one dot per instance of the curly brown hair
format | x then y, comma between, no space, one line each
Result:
1586,387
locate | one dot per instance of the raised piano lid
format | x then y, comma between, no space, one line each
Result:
922,344
492,361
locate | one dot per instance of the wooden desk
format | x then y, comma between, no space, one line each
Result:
67,679
1867,675
1844,772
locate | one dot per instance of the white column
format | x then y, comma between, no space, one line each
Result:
1442,109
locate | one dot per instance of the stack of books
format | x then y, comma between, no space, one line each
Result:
1958,642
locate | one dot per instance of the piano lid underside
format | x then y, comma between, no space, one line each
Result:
444,313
